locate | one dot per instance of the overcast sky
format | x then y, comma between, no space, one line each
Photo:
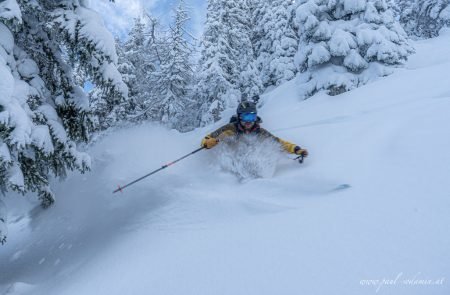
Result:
118,16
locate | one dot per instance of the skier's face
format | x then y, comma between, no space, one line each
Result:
247,125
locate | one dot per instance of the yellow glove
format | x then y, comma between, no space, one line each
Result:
209,142
301,152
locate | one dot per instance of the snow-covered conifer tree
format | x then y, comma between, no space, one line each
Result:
218,73
238,19
140,62
405,9
395,8
104,114
424,18
43,111
133,53
228,70
174,79
344,44
90,46
404,4
275,41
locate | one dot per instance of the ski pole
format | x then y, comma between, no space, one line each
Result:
121,188
300,159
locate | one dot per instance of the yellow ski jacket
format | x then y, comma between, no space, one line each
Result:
235,129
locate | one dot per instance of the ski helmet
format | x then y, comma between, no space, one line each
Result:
246,107
246,112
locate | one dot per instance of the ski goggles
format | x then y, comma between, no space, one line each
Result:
248,117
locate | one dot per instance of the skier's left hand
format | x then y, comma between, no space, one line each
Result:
209,142
301,152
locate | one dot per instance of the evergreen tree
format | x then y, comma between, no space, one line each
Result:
218,73
90,47
424,18
106,115
239,22
344,44
394,6
404,4
133,52
173,85
44,48
228,71
275,41
262,45
405,8
140,63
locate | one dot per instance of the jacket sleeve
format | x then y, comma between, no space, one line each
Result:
287,146
222,132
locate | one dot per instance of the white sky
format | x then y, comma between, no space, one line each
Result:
118,16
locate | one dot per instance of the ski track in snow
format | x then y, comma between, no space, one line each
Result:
370,202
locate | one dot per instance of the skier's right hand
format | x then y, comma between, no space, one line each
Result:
301,152
209,142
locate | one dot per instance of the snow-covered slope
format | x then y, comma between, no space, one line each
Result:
371,203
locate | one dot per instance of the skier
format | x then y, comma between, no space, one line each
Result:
247,121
